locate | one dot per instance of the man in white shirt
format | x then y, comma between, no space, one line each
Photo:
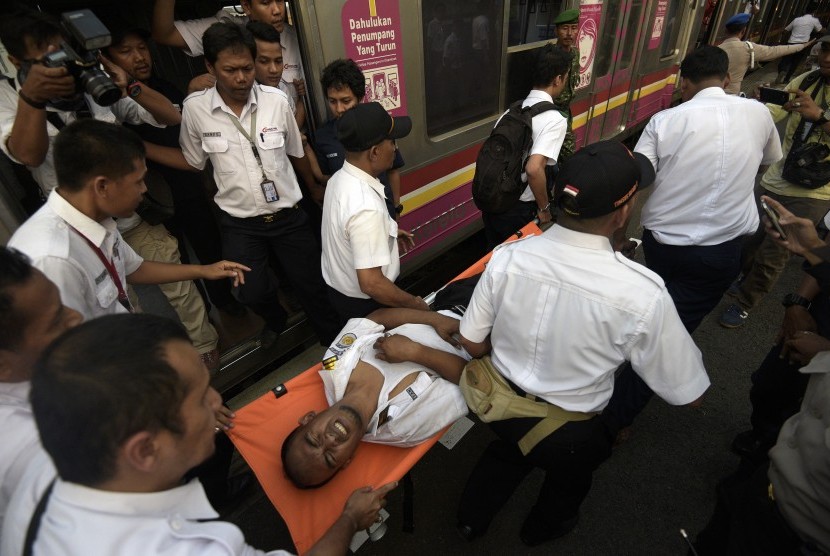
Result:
584,310
550,77
706,152
251,137
31,316
361,258
73,239
122,430
800,30
187,35
396,388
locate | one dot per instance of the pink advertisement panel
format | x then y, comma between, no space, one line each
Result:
590,14
372,37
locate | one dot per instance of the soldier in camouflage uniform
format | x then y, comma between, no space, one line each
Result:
567,26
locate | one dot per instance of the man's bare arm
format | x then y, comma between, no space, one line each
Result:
164,31
398,348
380,288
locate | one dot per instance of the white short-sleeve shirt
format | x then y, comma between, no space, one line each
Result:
18,436
83,520
357,231
428,405
192,30
564,311
125,110
548,133
70,262
706,153
800,28
207,132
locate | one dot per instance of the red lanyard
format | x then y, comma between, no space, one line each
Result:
122,295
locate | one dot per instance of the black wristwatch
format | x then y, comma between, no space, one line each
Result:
794,299
824,118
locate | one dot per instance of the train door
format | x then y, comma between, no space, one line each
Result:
616,58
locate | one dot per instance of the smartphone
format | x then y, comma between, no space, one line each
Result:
774,96
773,218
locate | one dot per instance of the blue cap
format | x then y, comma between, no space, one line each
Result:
738,19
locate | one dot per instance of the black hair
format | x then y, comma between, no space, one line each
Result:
27,23
15,270
707,62
551,62
225,35
263,31
88,148
99,384
290,472
344,73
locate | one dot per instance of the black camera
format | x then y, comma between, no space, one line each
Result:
84,35
805,165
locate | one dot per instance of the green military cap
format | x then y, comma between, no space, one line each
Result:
568,16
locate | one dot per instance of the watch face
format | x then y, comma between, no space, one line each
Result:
134,91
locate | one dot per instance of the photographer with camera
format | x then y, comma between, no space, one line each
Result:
48,96
800,181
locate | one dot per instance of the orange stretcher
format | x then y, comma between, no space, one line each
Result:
261,426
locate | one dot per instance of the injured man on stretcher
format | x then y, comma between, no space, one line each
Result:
389,378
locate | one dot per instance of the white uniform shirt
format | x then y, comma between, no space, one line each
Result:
125,110
69,261
800,28
357,231
800,459
548,132
82,520
564,311
706,153
193,29
18,437
425,407
208,133
38,474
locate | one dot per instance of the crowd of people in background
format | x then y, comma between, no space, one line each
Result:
111,424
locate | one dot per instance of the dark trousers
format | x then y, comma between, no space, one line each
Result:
696,276
746,521
289,238
568,457
498,227
790,63
195,222
350,307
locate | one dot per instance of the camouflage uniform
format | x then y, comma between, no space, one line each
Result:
564,101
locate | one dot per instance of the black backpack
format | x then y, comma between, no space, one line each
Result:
497,184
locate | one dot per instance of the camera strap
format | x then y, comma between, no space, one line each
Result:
805,128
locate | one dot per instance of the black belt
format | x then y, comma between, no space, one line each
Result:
264,218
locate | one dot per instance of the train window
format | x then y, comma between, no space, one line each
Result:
605,51
671,29
532,21
462,61
634,15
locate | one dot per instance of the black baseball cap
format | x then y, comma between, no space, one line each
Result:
600,178
366,125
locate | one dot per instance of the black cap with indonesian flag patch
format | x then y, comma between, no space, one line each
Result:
600,178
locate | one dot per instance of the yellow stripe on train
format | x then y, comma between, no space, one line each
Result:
445,184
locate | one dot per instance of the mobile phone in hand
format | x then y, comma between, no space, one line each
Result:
774,96
773,218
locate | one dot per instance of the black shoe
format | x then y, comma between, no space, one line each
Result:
535,531
467,532
268,338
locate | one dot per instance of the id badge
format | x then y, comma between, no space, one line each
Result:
270,191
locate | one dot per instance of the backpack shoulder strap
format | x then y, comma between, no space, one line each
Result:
540,107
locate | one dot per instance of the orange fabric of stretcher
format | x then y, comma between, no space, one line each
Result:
261,426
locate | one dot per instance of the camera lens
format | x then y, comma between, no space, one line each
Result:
99,86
